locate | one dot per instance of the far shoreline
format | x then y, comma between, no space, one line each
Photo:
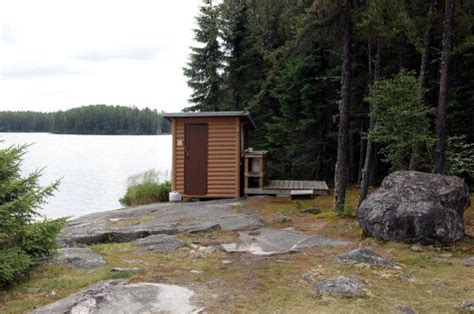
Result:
92,134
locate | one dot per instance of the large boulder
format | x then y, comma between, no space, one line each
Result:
413,207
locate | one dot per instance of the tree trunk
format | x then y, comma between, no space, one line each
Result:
369,154
370,61
443,88
402,52
426,56
342,164
362,140
361,152
423,78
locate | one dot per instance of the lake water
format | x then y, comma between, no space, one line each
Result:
93,168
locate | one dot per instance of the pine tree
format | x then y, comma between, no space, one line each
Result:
244,59
206,62
304,91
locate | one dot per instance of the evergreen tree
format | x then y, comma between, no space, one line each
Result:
23,238
95,119
206,62
244,59
302,140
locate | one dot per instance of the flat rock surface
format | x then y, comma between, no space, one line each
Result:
405,309
268,241
467,305
168,218
160,243
83,258
468,261
363,256
340,286
118,296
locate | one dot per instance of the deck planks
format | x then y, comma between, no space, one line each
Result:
285,187
295,185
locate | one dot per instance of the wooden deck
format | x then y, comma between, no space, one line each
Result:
284,187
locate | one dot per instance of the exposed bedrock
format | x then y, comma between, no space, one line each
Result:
129,224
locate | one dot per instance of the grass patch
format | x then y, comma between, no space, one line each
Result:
132,222
421,261
146,193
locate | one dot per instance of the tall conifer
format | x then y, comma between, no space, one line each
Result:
206,62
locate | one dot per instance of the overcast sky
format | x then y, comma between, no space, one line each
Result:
63,54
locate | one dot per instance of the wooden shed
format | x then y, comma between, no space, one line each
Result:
208,150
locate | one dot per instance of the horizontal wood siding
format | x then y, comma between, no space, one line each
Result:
179,159
223,156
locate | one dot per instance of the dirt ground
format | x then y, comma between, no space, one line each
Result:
431,281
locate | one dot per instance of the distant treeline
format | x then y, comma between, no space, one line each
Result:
94,119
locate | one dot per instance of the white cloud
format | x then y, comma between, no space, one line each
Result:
57,54
20,72
132,53
7,35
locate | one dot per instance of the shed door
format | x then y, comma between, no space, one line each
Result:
195,170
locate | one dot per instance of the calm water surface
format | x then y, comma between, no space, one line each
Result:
93,168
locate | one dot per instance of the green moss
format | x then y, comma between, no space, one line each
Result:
423,261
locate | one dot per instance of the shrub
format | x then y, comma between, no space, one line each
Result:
298,205
460,157
146,193
401,123
24,236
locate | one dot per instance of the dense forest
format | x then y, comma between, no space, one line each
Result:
343,91
94,119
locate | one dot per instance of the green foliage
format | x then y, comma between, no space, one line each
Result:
386,18
302,138
244,62
146,193
14,263
95,119
347,212
400,121
206,62
281,61
38,241
298,205
460,157
23,238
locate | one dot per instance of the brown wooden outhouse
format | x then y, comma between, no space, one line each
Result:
208,150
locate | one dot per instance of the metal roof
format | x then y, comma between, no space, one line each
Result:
207,114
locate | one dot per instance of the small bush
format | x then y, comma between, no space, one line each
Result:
146,193
298,205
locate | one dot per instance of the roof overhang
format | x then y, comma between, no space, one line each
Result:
211,114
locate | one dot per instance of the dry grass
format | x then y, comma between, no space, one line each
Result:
132,222
268,284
